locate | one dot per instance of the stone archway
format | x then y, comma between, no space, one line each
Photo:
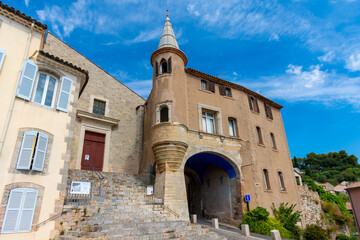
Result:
213,187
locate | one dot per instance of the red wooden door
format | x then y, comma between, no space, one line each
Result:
93,151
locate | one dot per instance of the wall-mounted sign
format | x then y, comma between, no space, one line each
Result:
87,157
80,187
150,190
247,197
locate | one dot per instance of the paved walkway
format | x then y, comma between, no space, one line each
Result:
230,232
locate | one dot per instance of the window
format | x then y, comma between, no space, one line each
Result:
266,179
228,92
208,122
253,103
260,140
232,127
224,91
99,107
268,111
165,66
2,57
20,210
45,90
281,181
204,85
33,151
46,87
164,114
273,141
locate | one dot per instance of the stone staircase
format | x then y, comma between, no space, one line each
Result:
122,211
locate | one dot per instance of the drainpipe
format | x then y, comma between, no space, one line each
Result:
3,135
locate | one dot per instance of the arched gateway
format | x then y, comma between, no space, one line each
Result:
213,187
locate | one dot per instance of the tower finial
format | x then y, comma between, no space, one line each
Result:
167,12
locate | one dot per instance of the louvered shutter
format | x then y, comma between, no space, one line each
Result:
169,65
211,86
65,93
222,90
270,112
257,106
156,68
26,150
250,103
27,211
27,80
40,152
2,56
12,211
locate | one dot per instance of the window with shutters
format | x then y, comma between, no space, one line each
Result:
204,85
281,181
253,104
32,151
258,131
2,57
228,92
165,66
20,210
45,90
232,127
273,142
268,111
99,107
266,179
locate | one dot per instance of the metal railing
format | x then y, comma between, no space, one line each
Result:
98,173
152,200
55,216
75,198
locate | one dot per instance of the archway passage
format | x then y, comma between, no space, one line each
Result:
213,187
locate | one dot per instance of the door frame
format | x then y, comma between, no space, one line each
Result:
93,127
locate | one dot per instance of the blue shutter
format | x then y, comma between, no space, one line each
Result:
26,150
2,57
27,210
40,152
27,80
13,209
65,93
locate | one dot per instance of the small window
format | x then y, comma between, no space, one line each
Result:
273,141
208,121
2,57
45,90
281,181
164,114
163,66
204,85
266,179
228,92
33,151
253,103
99,107
268,111
260,140
20,210
232,127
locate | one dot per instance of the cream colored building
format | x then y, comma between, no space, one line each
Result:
39,93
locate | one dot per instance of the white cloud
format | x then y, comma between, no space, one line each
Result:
314,84
353,62
235,73
146,36
141,87
328,57
26,2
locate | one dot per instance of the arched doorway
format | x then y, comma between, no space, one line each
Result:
213,187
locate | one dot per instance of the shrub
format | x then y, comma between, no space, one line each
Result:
314,232
259,213
286,215
343,237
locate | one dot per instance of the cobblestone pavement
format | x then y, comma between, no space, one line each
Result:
230,232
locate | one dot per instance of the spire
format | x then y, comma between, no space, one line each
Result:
168,37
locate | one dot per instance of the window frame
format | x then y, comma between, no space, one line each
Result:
253,104
205,83
161,109
102,101
162,61
268,111
218,117
259,135
266,179
46,84
273,141
206,114
281,181
234,127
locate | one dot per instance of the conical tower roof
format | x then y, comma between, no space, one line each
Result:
168,37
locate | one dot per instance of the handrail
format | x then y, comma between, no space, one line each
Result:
55,216
170,210
98,173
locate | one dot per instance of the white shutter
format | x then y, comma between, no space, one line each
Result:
27,211
27,80
2,56
26,151
12,211
40,152
65,93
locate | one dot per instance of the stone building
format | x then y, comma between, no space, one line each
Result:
209,141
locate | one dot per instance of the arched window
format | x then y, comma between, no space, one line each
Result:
164,114
260,140
163,66
281,181
273,140
266,179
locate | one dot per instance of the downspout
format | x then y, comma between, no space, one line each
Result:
3,135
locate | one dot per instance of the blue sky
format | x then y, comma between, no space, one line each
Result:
303,54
